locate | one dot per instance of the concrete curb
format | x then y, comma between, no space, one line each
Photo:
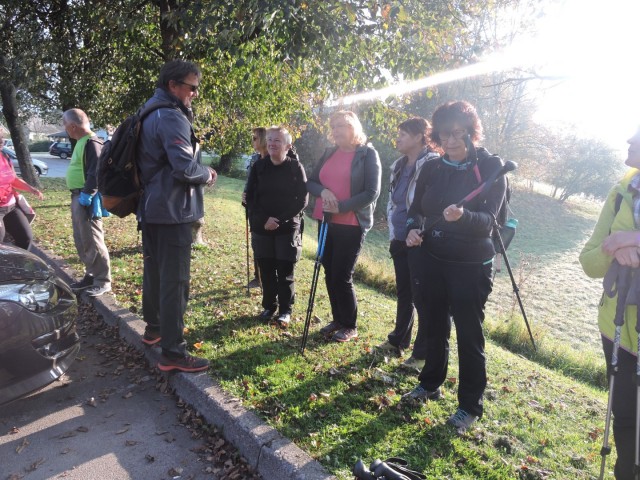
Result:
274,456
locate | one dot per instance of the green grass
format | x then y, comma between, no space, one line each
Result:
342,401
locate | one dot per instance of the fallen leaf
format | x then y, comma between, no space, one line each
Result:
68,434
198,345
64,451
127,395
34,466
150,458
123,430
14,430
130,443
313,397
92,402
22,446
82,429
175,472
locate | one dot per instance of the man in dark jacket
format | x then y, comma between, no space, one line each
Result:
173,178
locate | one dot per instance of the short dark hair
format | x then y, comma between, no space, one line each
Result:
460,112
417,126
177,70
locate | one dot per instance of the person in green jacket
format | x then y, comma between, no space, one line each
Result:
617,236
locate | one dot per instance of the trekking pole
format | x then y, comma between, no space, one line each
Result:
322,239
483,187
246,233
622,289
514,285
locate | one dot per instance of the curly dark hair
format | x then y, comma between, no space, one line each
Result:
417,126
460,112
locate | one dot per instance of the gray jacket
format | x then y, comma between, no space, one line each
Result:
171,170
365,184
396,167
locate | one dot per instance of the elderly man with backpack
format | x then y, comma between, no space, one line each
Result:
172,178
88,234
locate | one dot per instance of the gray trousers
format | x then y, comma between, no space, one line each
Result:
88,237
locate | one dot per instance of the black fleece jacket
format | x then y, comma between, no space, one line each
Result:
277,191
442,183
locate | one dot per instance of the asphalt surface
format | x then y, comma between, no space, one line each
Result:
116,420
110,417
57,166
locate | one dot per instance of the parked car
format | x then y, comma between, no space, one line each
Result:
40,167
60,149
38,323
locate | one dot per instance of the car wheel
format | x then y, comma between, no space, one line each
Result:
38,171
63,155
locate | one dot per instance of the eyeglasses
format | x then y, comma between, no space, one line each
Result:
456,134
193,88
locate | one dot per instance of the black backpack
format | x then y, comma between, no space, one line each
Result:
118,178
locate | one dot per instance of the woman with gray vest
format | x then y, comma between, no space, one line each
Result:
413,142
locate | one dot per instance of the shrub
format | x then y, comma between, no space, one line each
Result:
41,146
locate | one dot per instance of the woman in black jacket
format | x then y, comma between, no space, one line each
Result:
451,253
276,197
346,182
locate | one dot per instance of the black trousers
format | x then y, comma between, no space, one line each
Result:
277,256
165,284
13,221
405,310
624,410
441,291
341,251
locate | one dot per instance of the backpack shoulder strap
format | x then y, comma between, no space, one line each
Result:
476,170
618,202
143,112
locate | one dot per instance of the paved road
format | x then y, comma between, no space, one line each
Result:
57,166
107,419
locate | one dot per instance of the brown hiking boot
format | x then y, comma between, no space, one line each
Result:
329,329
188,364
345,335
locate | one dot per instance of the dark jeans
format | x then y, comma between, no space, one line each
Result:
624,410
13,221
405,311
165,285
341,252
460,289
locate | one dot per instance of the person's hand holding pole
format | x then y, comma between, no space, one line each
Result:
414,238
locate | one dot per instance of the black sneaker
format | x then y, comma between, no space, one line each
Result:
150,337
330,329
421,394
188,364
255,283
86,282
267,314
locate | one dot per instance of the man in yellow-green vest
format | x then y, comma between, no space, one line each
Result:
88,234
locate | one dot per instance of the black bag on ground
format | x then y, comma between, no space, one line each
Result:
118,179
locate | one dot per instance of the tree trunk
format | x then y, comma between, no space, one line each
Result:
225,163
16,129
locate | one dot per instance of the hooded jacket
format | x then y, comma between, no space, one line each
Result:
595,262
396,168
170,163
365,184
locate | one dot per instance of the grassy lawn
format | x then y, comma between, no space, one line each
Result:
342,401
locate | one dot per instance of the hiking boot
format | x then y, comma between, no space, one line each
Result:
328,330
86,282
97,290
388,347
345,335
461,420
284,320
151,338
422,394
188,364
413,363
255,283
267,314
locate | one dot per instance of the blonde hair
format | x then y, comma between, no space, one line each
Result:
261,133
359,137
281,130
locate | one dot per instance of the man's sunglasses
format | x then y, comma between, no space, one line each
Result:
194,88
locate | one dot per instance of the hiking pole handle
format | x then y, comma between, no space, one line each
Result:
508,166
